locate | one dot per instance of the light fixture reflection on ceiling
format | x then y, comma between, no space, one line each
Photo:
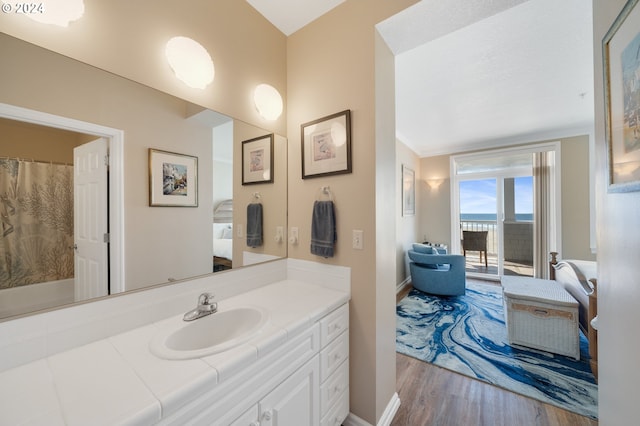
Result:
54,12
268,101
190,61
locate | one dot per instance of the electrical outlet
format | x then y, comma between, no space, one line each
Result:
279,234
358,244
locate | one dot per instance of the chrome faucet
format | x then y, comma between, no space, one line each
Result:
206,306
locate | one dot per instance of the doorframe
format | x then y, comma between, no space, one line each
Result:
116,178
554,146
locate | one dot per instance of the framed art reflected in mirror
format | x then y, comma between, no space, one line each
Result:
257,160
173,179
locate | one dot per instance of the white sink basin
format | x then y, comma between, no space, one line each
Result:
208,335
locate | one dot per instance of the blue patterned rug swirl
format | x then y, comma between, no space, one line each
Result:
467,334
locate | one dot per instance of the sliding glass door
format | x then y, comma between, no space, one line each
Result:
493,213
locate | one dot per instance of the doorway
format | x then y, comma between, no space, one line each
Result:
495,219
115,179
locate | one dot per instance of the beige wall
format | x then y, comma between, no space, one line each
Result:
38,143
618,239
128,39
435,208
435,205
575,199
331,66
407,227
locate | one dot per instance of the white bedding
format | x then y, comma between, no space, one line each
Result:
222,240
223,248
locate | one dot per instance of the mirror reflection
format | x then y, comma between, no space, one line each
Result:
72,229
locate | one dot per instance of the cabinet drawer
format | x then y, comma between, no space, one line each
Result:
333,355
333,324
339,412
333,387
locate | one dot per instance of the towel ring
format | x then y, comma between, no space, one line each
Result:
324,191
255,197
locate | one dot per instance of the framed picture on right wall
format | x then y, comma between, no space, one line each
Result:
621,61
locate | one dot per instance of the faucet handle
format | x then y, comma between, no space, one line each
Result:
206,299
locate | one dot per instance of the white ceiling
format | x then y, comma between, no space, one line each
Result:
475,73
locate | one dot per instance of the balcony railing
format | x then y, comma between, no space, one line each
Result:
518,246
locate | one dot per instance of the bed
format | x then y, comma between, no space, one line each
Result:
223,236
579,278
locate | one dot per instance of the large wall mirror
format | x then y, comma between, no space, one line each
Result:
51,213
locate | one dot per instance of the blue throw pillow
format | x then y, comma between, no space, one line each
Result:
423,248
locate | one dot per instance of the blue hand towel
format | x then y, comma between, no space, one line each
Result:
254,225
323,229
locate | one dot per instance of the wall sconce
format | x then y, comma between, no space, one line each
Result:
434,184
268,101
60,13
190,61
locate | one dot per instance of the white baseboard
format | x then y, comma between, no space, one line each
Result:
390,411
403,284
385,420
353,420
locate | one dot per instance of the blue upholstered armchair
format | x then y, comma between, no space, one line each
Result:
436,273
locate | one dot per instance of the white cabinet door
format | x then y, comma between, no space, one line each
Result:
249,418
296,401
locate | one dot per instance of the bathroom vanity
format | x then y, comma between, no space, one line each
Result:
293,371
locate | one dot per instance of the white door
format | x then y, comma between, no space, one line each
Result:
90,218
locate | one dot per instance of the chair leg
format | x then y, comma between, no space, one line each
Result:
486,264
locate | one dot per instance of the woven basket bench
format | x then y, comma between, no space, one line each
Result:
541,314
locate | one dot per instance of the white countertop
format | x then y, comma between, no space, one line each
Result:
119,381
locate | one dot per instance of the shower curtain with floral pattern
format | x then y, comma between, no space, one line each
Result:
36,222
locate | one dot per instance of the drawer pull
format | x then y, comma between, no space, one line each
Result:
267,415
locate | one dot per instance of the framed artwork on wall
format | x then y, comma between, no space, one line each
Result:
408,191
173,179
621,61
326,145
257,160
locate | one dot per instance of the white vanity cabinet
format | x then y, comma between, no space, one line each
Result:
316,393
334,367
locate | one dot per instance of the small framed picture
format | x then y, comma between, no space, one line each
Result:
326,145
173,179
408,191
621,61
257,160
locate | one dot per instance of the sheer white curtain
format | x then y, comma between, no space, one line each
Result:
543,205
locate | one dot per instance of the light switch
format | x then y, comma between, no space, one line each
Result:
239,230
358,244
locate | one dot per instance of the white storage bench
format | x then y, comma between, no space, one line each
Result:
541,314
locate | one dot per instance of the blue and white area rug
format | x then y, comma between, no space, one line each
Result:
467,334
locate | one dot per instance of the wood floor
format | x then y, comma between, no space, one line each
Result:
434,396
